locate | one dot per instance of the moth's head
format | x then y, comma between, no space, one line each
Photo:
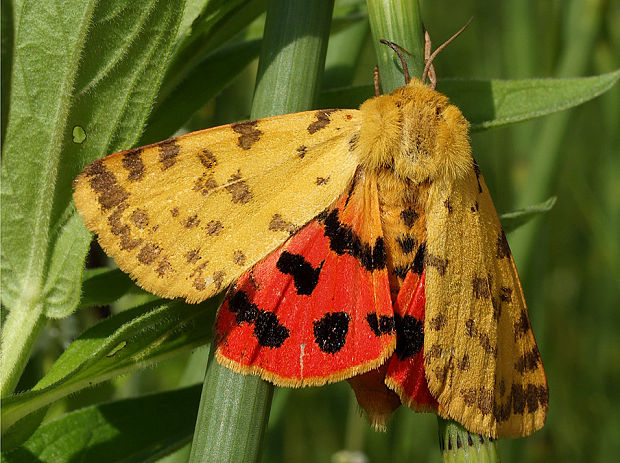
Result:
416,132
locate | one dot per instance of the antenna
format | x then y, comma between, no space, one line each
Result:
429,61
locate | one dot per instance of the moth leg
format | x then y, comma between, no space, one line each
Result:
375,74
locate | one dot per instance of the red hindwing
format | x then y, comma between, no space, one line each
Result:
405,372
318,309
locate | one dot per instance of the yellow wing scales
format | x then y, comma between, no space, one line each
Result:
482,363
185,217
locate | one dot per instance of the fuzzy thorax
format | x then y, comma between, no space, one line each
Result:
416,132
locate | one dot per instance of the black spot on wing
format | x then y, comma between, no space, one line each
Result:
168,152
380,325
248,133
304,275
267,329
407,243
409,216
477,172
330,332
342,239
409,336
132,162
503,250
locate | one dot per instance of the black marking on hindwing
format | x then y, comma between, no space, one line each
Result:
304,275
330,332
267,328
343,240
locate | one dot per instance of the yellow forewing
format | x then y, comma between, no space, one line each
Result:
482,363
185,217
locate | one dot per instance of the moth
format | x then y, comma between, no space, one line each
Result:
355,244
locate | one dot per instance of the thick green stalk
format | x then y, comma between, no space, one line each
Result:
393,20
19,333
234,409
397,21
458,445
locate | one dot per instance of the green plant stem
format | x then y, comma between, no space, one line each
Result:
234,409
398,21
19,333
460,446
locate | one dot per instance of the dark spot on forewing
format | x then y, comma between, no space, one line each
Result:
207,159
218,279
485,343
214,227
330,331
191,221
249,133
485,401
132,162
321,181
528,398
503,250
353,141
278,223
239,257
168,152
140,218
239,189
470,328
163,267
505,294
204,184
528,361
148,254
322,120
438,322
122,230
193,256
174,211
103,182
463,364
301,151
481,288
304,275
437,262
522,326
447,205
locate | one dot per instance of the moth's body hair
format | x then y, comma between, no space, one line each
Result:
417,133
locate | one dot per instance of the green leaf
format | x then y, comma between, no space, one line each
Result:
103,286
131,430
495,103
204,82
89,66
513,220
219,21
119,344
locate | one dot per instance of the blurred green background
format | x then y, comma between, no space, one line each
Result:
569,258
